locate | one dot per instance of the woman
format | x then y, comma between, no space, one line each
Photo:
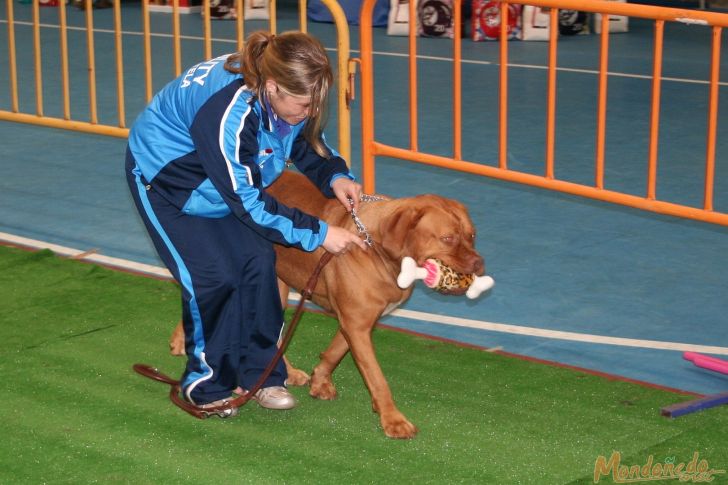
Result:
198,161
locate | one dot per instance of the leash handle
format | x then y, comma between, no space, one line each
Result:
153,373
225,409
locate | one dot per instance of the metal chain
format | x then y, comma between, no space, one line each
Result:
360,227
371,198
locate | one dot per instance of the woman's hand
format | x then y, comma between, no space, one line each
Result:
339,240
344,189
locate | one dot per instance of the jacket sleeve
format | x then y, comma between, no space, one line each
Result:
319,170
225,136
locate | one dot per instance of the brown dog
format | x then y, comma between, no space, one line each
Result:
360,286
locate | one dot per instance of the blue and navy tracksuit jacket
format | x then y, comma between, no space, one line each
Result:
206,144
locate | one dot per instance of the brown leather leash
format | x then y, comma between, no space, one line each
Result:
228,408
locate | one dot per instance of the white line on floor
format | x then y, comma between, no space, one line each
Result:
93,257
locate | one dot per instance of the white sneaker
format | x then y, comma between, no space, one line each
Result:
223,413
275,397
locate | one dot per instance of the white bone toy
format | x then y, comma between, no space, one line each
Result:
436,275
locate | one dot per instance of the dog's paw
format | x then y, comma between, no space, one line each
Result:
397,426
176,348
177,341
324,390
296,377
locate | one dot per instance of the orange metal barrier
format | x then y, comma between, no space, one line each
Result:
70,120
372,148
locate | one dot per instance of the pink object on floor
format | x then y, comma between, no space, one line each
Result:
707,362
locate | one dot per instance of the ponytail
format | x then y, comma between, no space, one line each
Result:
299,64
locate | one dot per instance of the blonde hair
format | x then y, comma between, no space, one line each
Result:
298,63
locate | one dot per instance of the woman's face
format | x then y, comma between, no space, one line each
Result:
290,108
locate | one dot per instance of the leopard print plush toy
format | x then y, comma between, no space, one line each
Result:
443,279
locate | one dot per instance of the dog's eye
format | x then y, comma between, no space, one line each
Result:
447,239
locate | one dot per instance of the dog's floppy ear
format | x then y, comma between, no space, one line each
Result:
395,228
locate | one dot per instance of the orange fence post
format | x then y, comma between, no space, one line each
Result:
37,60
206,29
273,22
121,110
91,55
302,17
240,24
343,78
12,57
551,95
147,35
712,119
65,85
412,36
177,48
457,85
602,103
655,111
503,95
367,96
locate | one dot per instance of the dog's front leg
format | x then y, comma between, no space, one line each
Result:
394,423
322,385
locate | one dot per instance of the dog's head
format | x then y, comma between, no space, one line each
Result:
430,226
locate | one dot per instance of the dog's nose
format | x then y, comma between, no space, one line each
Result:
477,263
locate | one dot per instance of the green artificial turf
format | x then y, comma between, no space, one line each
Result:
74,412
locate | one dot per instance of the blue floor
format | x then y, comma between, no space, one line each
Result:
561,263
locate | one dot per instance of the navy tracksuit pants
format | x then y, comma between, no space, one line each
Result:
231,309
